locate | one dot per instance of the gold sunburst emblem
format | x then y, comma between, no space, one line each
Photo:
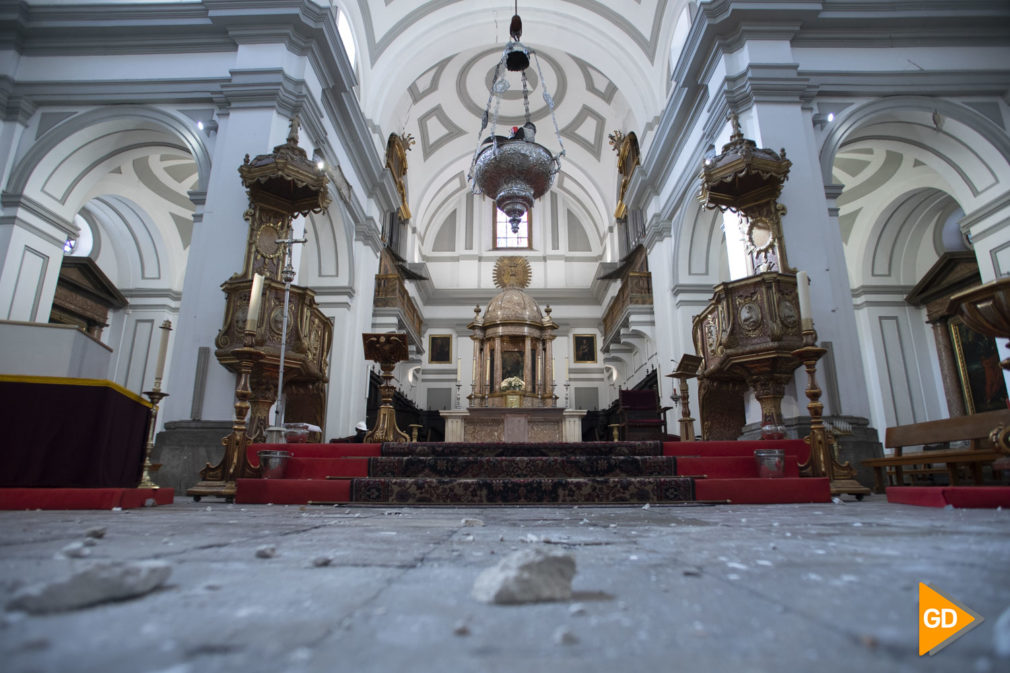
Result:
512,271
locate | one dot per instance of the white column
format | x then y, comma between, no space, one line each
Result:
217,251
814,242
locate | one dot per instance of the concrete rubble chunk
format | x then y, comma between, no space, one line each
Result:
472,522
565,637
322,561
266,551
75,550
100,583
97,533
527,576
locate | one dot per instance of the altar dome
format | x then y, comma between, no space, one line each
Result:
512,305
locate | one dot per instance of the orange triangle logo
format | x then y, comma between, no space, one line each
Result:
941,621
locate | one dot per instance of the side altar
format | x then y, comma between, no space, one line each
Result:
512,398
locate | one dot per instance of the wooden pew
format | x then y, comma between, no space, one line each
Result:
975,429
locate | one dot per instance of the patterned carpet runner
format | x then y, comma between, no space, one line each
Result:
429,473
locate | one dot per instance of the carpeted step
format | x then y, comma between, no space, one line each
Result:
792,447
83,498
424,491
321,468
523,467
515,450
292,491
764,491
979,497
728,467
316,450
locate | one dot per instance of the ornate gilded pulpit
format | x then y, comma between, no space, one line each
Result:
280,185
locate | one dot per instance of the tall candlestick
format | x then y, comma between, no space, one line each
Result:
566,368
254,303
159,369
803,294
459,370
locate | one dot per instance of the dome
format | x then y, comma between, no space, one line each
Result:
512,305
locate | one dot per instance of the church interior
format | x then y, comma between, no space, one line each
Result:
326,276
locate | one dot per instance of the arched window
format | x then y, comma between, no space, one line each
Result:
503,235
346,36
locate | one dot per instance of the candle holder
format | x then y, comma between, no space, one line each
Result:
822,461
156,396
458,386
219,480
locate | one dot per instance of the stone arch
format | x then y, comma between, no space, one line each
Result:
908,165
115,119
902,121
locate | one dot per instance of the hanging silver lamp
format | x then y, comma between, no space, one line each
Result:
514,170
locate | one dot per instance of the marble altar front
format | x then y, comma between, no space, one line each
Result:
501,424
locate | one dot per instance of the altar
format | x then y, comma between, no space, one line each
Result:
519,425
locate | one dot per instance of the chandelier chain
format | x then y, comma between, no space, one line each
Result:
550,103
526,97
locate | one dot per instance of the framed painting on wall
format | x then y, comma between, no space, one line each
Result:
440,349
584,348
978,369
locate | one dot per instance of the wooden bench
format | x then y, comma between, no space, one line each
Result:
975,429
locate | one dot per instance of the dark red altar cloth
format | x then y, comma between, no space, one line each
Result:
70,433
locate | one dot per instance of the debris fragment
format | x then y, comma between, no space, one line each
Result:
527,576
646,506
90,542
531,538
461,629
96,533
266,551
692,572
100,583
321,561
75,550
577,610
472,522
565,637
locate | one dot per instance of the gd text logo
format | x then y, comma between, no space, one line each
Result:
941,621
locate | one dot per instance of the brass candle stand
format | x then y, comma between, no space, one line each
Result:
219,480
822,461
156,396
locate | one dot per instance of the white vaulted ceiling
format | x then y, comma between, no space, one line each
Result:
425,68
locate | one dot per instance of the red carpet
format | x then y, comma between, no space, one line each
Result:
718,471
82,498
979,497
758,491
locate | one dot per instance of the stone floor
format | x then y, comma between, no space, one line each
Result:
771,588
